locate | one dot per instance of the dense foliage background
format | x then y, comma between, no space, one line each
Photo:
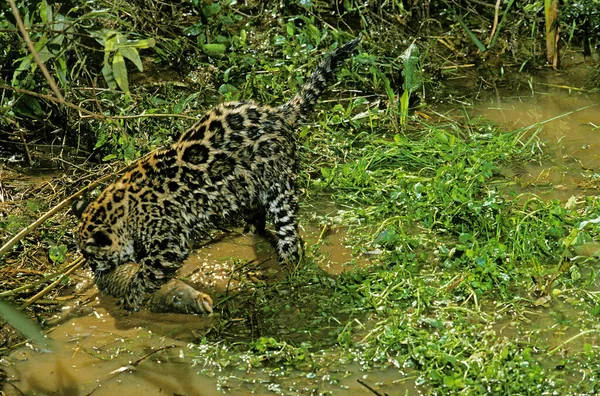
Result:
126,58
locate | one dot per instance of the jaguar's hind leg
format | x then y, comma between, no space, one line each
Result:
257,219
282,206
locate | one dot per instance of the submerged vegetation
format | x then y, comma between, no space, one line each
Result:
473,284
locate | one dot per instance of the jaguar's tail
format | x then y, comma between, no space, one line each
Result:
299,107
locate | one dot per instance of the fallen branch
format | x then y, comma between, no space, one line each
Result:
363,383
34,284
77,263
129,367
24,232
87,112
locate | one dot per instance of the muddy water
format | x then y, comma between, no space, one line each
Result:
568,122
101,350
95,353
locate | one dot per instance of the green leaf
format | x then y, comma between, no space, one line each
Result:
214,49
326,172
45,12
133,55
404,101
24,65
477,42
211,10
227,88
411,71
120,72
34,206
60,65
20,322
103,138
110,40
29,106
107,72
449,381
290,29
46,54
58,254
144,43
58,26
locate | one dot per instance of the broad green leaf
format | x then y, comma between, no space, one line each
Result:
29,106
58,26
45,11
27,62
60,66
24,65
110,41
213,49
46,54
120,72
227,88
211,10
58,254
314,33
99,36
20,322
107,72
103,138
411,72
132,54
404,101
145,43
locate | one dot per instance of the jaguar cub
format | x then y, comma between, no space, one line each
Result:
237,162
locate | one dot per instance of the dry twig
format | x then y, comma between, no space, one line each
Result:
363,383
85,112
78,262
51,212
130,367
496,12
35,54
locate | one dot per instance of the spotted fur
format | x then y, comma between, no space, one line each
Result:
238,162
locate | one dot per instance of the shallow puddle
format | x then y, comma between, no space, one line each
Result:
568,123
99,349
95,353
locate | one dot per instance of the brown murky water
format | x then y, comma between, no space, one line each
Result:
103,351
569,126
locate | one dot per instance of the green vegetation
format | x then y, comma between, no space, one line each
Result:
474,284
452,297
